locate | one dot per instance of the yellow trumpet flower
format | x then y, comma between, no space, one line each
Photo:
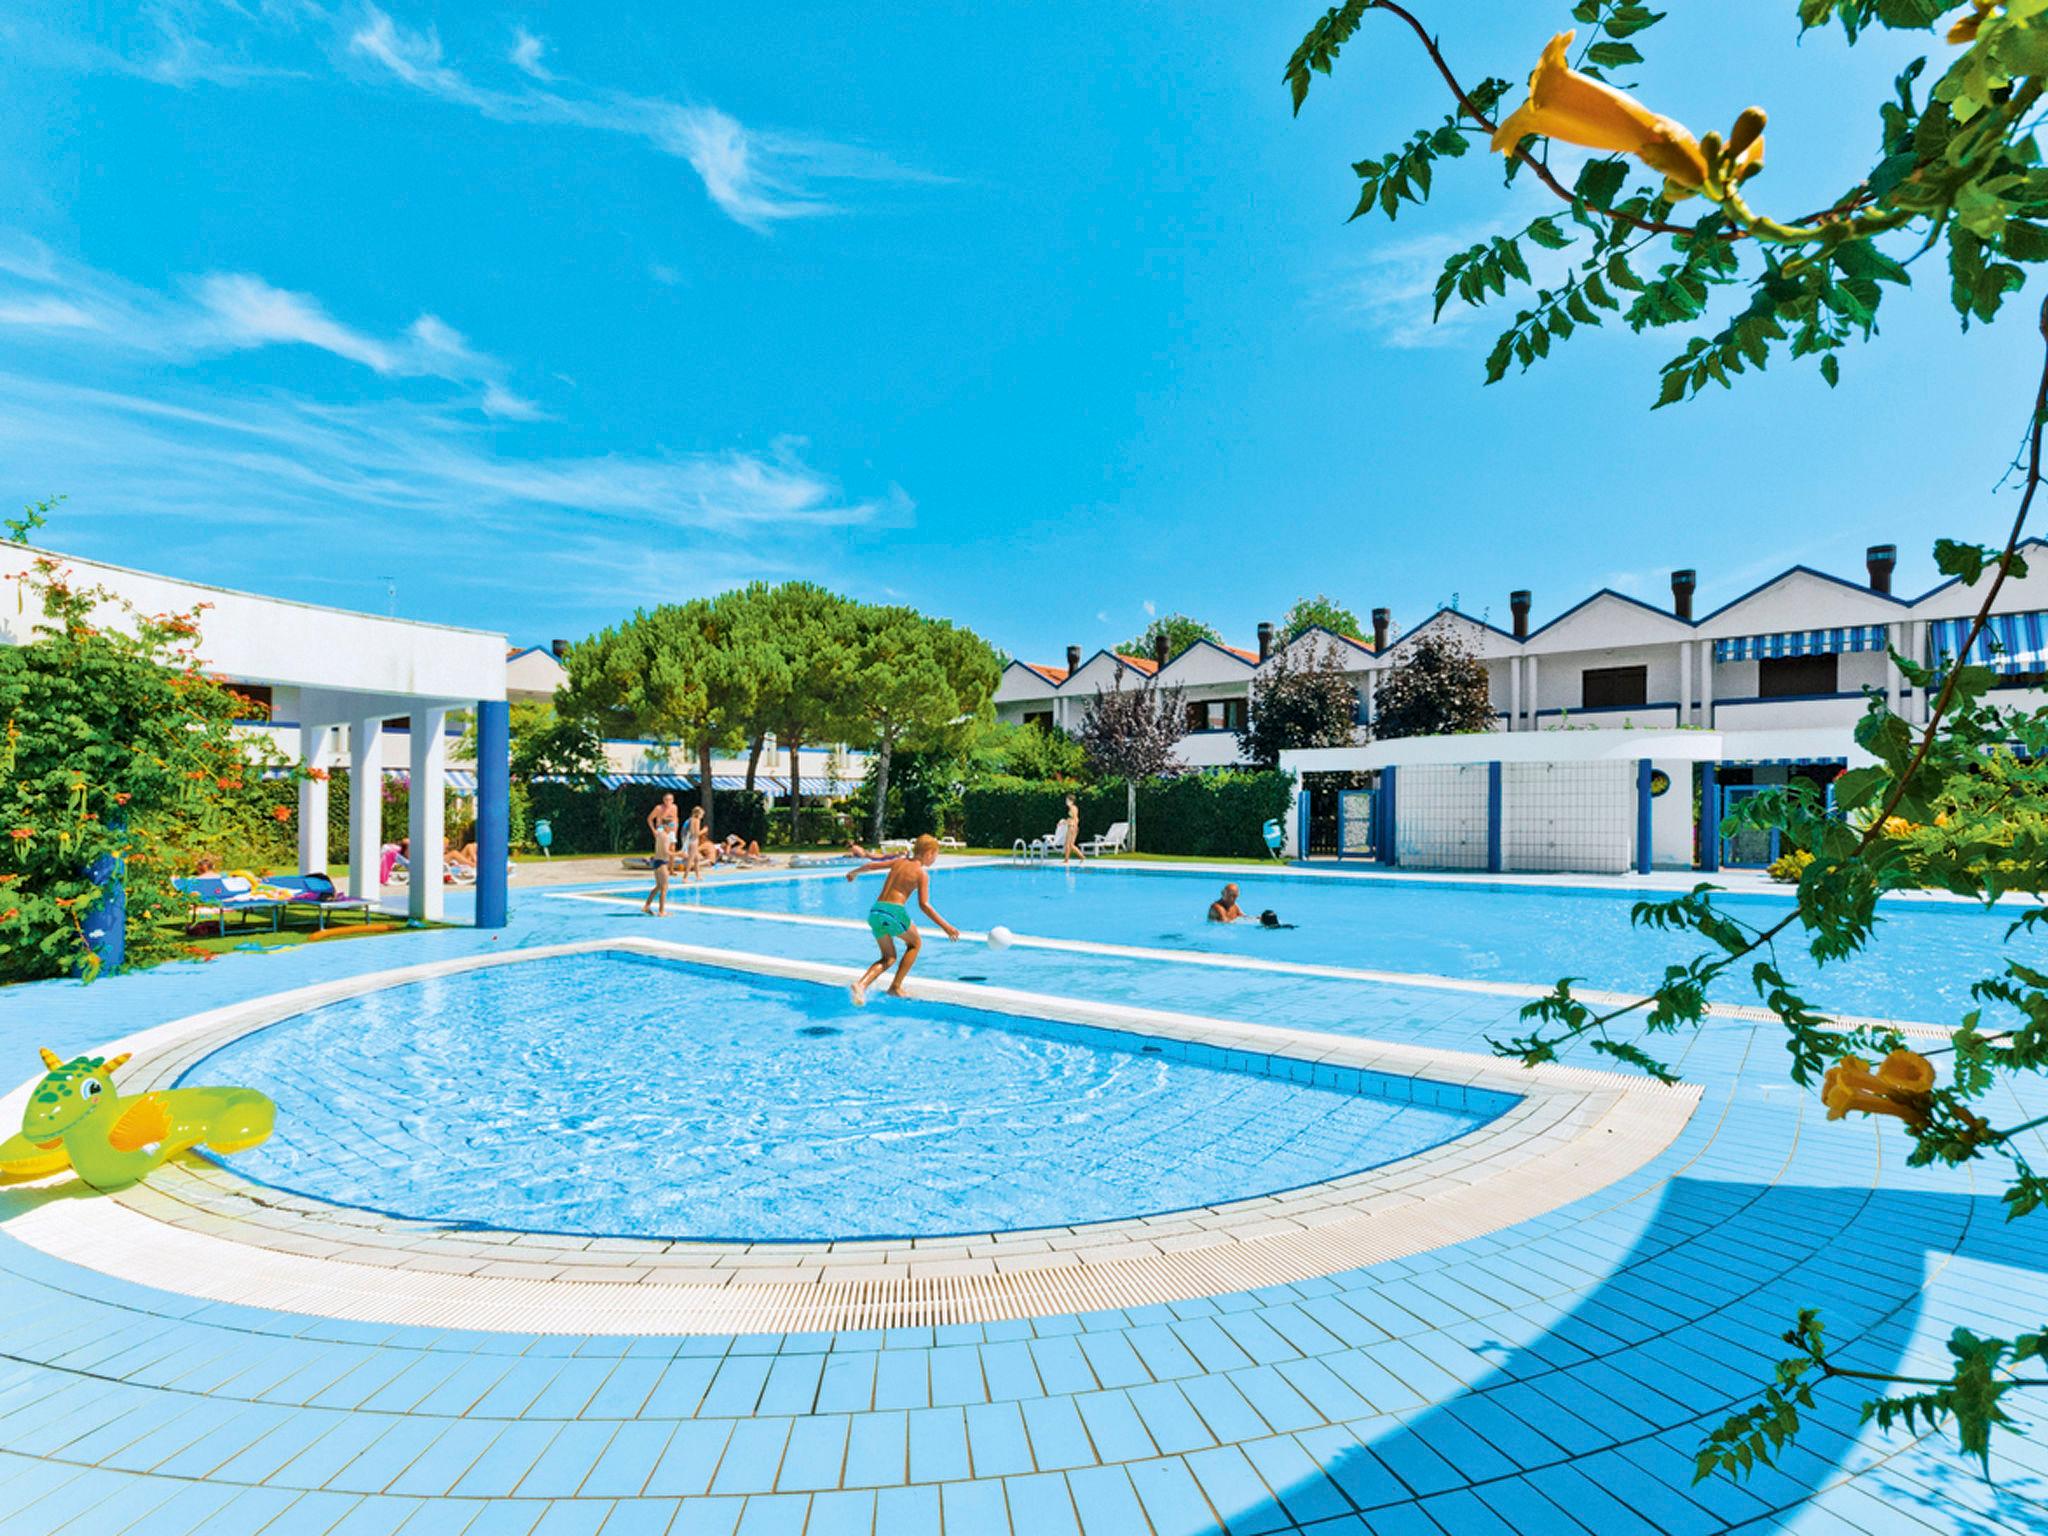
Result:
1899,1087
1577,109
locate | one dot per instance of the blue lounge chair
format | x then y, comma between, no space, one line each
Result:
321,893
229,893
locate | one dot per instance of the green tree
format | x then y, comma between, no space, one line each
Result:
1131,734
758,673
915,681
548,743
1038,753
1301,698
1179,631
811,632
1954,172
118,758
1318,612
1437,688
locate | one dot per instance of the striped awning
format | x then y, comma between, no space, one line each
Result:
2009,642
460,780
1802,642
652,780
1783,762
728,781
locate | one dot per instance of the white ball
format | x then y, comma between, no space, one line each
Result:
999,938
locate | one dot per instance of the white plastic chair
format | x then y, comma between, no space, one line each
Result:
1111,841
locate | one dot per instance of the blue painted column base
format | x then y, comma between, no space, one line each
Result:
1710,818
1643,802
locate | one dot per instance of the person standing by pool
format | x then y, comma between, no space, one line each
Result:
664,858
889,918
692,843
1073,830
664,816
1224,909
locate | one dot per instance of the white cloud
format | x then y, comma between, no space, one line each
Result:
526,54
758,179
1391,290
229,312
1151,609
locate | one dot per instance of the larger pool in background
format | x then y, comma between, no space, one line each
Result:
617,1095
1924,959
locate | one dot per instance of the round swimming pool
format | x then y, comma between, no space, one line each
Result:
614,1095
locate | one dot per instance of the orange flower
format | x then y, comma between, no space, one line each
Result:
1577,109
1899,1087
281,812
122,797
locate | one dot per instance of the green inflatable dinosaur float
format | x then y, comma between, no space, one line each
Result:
76,1120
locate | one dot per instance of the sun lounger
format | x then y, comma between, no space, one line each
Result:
222,894
1112,841
320,893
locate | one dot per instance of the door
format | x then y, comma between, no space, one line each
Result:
1355,825
1748,848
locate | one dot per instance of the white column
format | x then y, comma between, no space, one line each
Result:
426,822
312,802
1707,684
1685,683
1371,707
365,806
1514,693
1529,687
1894,679
1916,652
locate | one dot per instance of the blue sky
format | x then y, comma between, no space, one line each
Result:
1031,315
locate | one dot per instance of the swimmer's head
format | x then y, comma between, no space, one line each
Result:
1269,918
926,849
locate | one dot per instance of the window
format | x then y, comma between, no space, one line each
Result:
1788,677
258,705
1613,687
1198,717
1042,718
1234,714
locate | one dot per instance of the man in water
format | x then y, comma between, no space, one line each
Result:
1224,909
889,917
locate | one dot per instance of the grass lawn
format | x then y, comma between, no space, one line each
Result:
254,936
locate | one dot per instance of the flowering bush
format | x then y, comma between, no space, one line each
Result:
118,752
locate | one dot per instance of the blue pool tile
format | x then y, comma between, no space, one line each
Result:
752,1456
622,1471
938,1445
640,1517
1008,1368
687,1465
736,1389
572,1517
1041,1505
877,1450
792,1385
1173,1501
625,1390
1058,1438
1169,1419
1062,1366
680,1389
372,1517
976,1507
996,1441
1275,1399
707,1517
775,1514
903,1379
1223,1409
847,1384
1114,1426
442,1465
956,1377
842,1514
1304,1492
1237,1492
511,1456
815,1455
567,1462
1106,1501
907,1512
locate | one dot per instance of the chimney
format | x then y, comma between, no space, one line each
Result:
561,650
1265,641
1879,560
1682,583
1518,605
1159,650
1073,659
1382,620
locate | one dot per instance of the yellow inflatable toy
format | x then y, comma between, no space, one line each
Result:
76,1120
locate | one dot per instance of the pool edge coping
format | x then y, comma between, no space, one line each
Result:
200,1230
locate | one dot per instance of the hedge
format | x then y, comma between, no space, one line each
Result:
588,819
1207,814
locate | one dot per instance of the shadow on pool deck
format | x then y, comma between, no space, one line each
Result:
1593,1425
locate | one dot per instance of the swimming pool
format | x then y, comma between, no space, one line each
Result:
1926,956
620,1096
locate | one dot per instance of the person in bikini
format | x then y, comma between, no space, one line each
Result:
664,861
889,918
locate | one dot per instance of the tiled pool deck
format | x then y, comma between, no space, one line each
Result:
1550,1376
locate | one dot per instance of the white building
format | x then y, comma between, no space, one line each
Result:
1764,687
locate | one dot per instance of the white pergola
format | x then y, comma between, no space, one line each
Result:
338,677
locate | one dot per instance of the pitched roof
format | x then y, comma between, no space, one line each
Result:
1144,664
1054,675
1240,654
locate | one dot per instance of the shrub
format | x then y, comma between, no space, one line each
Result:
587,818
1217,815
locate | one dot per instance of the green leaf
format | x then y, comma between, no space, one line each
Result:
1861,259
1545,232
1673,390
1955,558
2025,240
1600,181
1511,258
1610,55
1622,275
1319,49
1831,369
1627,20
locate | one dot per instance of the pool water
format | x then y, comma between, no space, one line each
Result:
1920,967
616,1095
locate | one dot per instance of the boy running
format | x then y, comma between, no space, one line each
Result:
889,917
664,858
